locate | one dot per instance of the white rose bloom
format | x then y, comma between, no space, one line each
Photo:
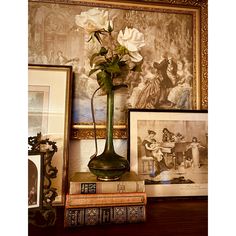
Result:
133,40
135,56
93,20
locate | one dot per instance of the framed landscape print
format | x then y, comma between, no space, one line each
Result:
169,150
35,181
49,108
38,103
173,71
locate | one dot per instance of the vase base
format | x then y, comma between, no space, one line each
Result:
108,175
108,166
108,178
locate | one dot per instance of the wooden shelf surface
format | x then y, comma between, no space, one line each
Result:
165,217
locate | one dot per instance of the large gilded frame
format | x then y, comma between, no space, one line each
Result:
199,11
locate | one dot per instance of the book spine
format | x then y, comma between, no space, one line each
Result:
106,187
75,217
106,199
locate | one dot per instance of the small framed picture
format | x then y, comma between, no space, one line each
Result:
169,150
35,181
49,110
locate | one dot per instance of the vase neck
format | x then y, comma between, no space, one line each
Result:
109,129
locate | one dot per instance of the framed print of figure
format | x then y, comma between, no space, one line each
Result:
169,150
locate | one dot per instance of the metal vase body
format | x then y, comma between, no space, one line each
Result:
109,166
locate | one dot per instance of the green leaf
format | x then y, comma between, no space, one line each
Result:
113,68
110,29
124,68
115,87
92,58
99,61
93,71
115,59
90,39
122,50
105,81
122,63
102,65
137,68
103,51
97,36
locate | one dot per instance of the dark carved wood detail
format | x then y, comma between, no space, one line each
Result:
46,215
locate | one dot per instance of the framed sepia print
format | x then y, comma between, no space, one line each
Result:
169,150
35,181
175,34
49,109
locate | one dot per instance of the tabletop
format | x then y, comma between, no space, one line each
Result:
178,217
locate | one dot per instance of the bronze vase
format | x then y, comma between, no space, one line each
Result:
109,166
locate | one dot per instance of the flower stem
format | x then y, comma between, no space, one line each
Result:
110,112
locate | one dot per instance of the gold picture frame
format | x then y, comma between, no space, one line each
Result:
42,32
52,118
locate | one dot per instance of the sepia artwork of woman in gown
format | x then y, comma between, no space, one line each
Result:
180,94
152,149
195,145
149,95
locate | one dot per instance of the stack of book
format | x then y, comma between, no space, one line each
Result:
92,202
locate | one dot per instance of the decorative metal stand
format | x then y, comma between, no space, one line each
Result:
46,214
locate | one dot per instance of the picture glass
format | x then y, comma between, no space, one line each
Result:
48,114
170,152
170,71
38,98
34,181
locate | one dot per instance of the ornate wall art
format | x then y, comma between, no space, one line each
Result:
169,150
174,69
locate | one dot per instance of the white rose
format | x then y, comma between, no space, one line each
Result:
133,40
93,20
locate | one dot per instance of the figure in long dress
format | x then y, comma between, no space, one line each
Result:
180,95
149,96
153,149
195,145
148,140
